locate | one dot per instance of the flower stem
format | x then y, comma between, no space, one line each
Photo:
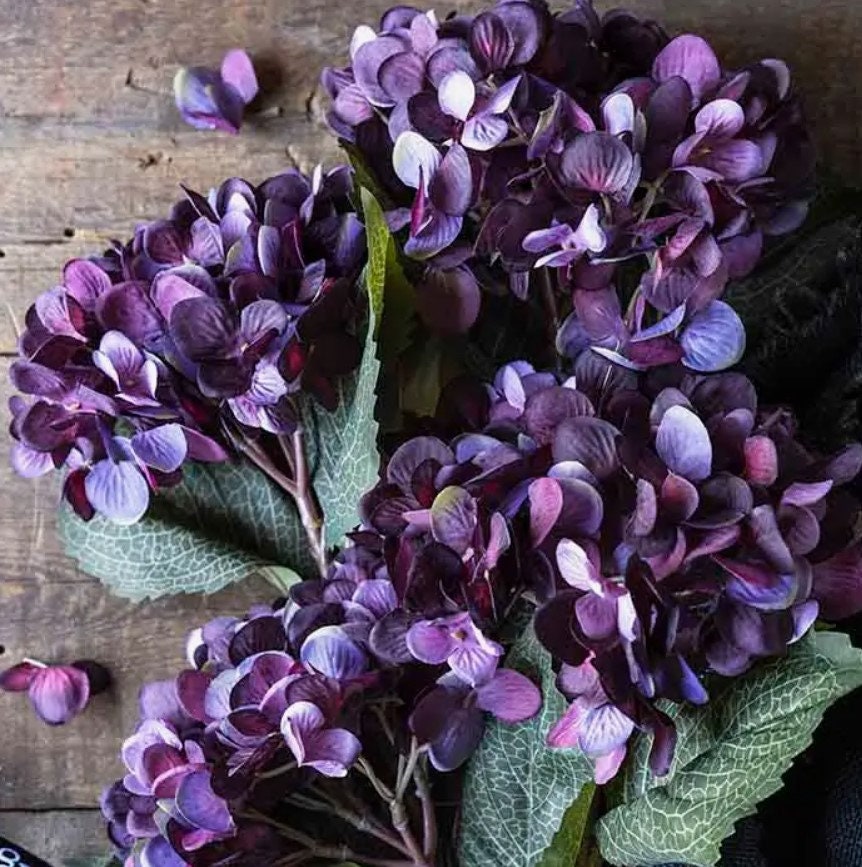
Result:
306,502
429,818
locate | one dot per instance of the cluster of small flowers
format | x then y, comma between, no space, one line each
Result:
580,145
209,321
278,702
664,523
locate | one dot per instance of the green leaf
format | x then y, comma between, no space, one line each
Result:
342,445
730,755
573,835
517,789
222,523
281,577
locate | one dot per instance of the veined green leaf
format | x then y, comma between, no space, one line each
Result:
730,756
517,790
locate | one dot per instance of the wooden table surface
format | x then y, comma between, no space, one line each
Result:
90,144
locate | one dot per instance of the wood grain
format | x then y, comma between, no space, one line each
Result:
90,144
57,835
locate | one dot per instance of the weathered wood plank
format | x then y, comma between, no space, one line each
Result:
60,837
52,611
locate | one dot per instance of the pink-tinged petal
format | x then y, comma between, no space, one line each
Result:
475,664
606,767
301,719
806,493
332,752
646,508
565,732
575,566
402,75
86,282
597,161
58,693
456,94
118,491
431,641
546,505
202,448
510,696
603,730
163,448
484,132
618,112
491,42
238,72
596,617
415,159
627,617
19,677
722,118
52,308
683,443
838,584
761,460
714,339
679,498
688,57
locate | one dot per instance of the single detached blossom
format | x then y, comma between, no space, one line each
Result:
216,99
58,693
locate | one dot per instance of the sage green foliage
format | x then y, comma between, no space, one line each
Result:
342,445
517,789
572,838
222,523
730,755
226,521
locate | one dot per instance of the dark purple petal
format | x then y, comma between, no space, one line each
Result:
590,441
757,585
205,101
509,696
126,307
523,22
204,329
367,62
259,635
58,693
402,75
598,162
449,301
86,282
547,408
679,498
491,41
458,740
451,187
838,584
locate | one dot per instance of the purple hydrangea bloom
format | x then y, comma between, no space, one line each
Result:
208,323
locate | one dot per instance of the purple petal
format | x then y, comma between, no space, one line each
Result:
575,567
806,493
449,58
118,491
646,509
169,289
761,460
238,72
19,677
163,448
722,118
564,733
439,232
203,329
158,852
28,462
679,498
86,282
58,693
603,730
127,308
411,455
205,101
522,21
546,409
454,518
690,58
431,641
618,112
415,159
491,41
590,441
200,806
451,188
546,505
597,161
483,132
758,586
458,740
596,616
449,301
510,696
402,75
332,752
683,443
367,61
328,650
456,94
838,584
